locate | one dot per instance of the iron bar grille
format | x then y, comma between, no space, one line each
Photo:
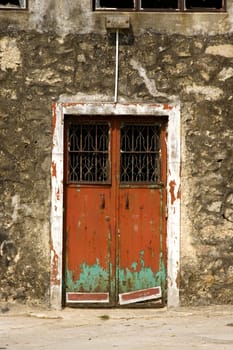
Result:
140,154
88,153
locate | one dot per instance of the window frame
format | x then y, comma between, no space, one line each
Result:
22,7
181,8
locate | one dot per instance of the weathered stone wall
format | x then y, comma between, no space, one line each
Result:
37,67
68,16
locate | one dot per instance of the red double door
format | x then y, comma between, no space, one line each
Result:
115,217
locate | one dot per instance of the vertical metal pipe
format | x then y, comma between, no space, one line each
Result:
117,66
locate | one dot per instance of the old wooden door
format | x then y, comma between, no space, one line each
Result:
115,220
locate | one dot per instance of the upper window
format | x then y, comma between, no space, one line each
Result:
13,4
158,5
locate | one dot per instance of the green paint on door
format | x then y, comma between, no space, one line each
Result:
130,279
92,279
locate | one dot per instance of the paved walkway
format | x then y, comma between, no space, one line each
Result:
206,328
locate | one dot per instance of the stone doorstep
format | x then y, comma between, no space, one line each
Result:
17,310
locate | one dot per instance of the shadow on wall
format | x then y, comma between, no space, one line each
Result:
126,37
227,205
8,250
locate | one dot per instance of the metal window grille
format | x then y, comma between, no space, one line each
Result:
88,153
140,154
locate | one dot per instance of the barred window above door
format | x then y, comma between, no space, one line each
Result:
88,153
13,4
160,5
140,153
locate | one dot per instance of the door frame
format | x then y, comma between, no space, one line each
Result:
70,106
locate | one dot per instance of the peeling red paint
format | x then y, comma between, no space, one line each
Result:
54,268
54,169
114,104
167,107
58,195
71,104
87,297
172,185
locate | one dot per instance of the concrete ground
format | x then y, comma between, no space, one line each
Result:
22,328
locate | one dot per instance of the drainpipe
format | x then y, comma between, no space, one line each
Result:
116,23
117,67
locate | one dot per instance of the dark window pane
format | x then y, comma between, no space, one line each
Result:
212,4
159,4
10,2
115,4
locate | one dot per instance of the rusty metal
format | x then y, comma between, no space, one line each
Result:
156,5
117,22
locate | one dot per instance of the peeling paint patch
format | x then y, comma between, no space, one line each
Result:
129,280
141,277
58,195
55,280
167,107
172,185
91,279
145,278
54,169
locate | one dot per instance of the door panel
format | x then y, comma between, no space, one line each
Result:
115,225
139,246
140,266
88,212
88,240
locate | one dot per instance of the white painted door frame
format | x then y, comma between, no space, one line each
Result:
72,107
